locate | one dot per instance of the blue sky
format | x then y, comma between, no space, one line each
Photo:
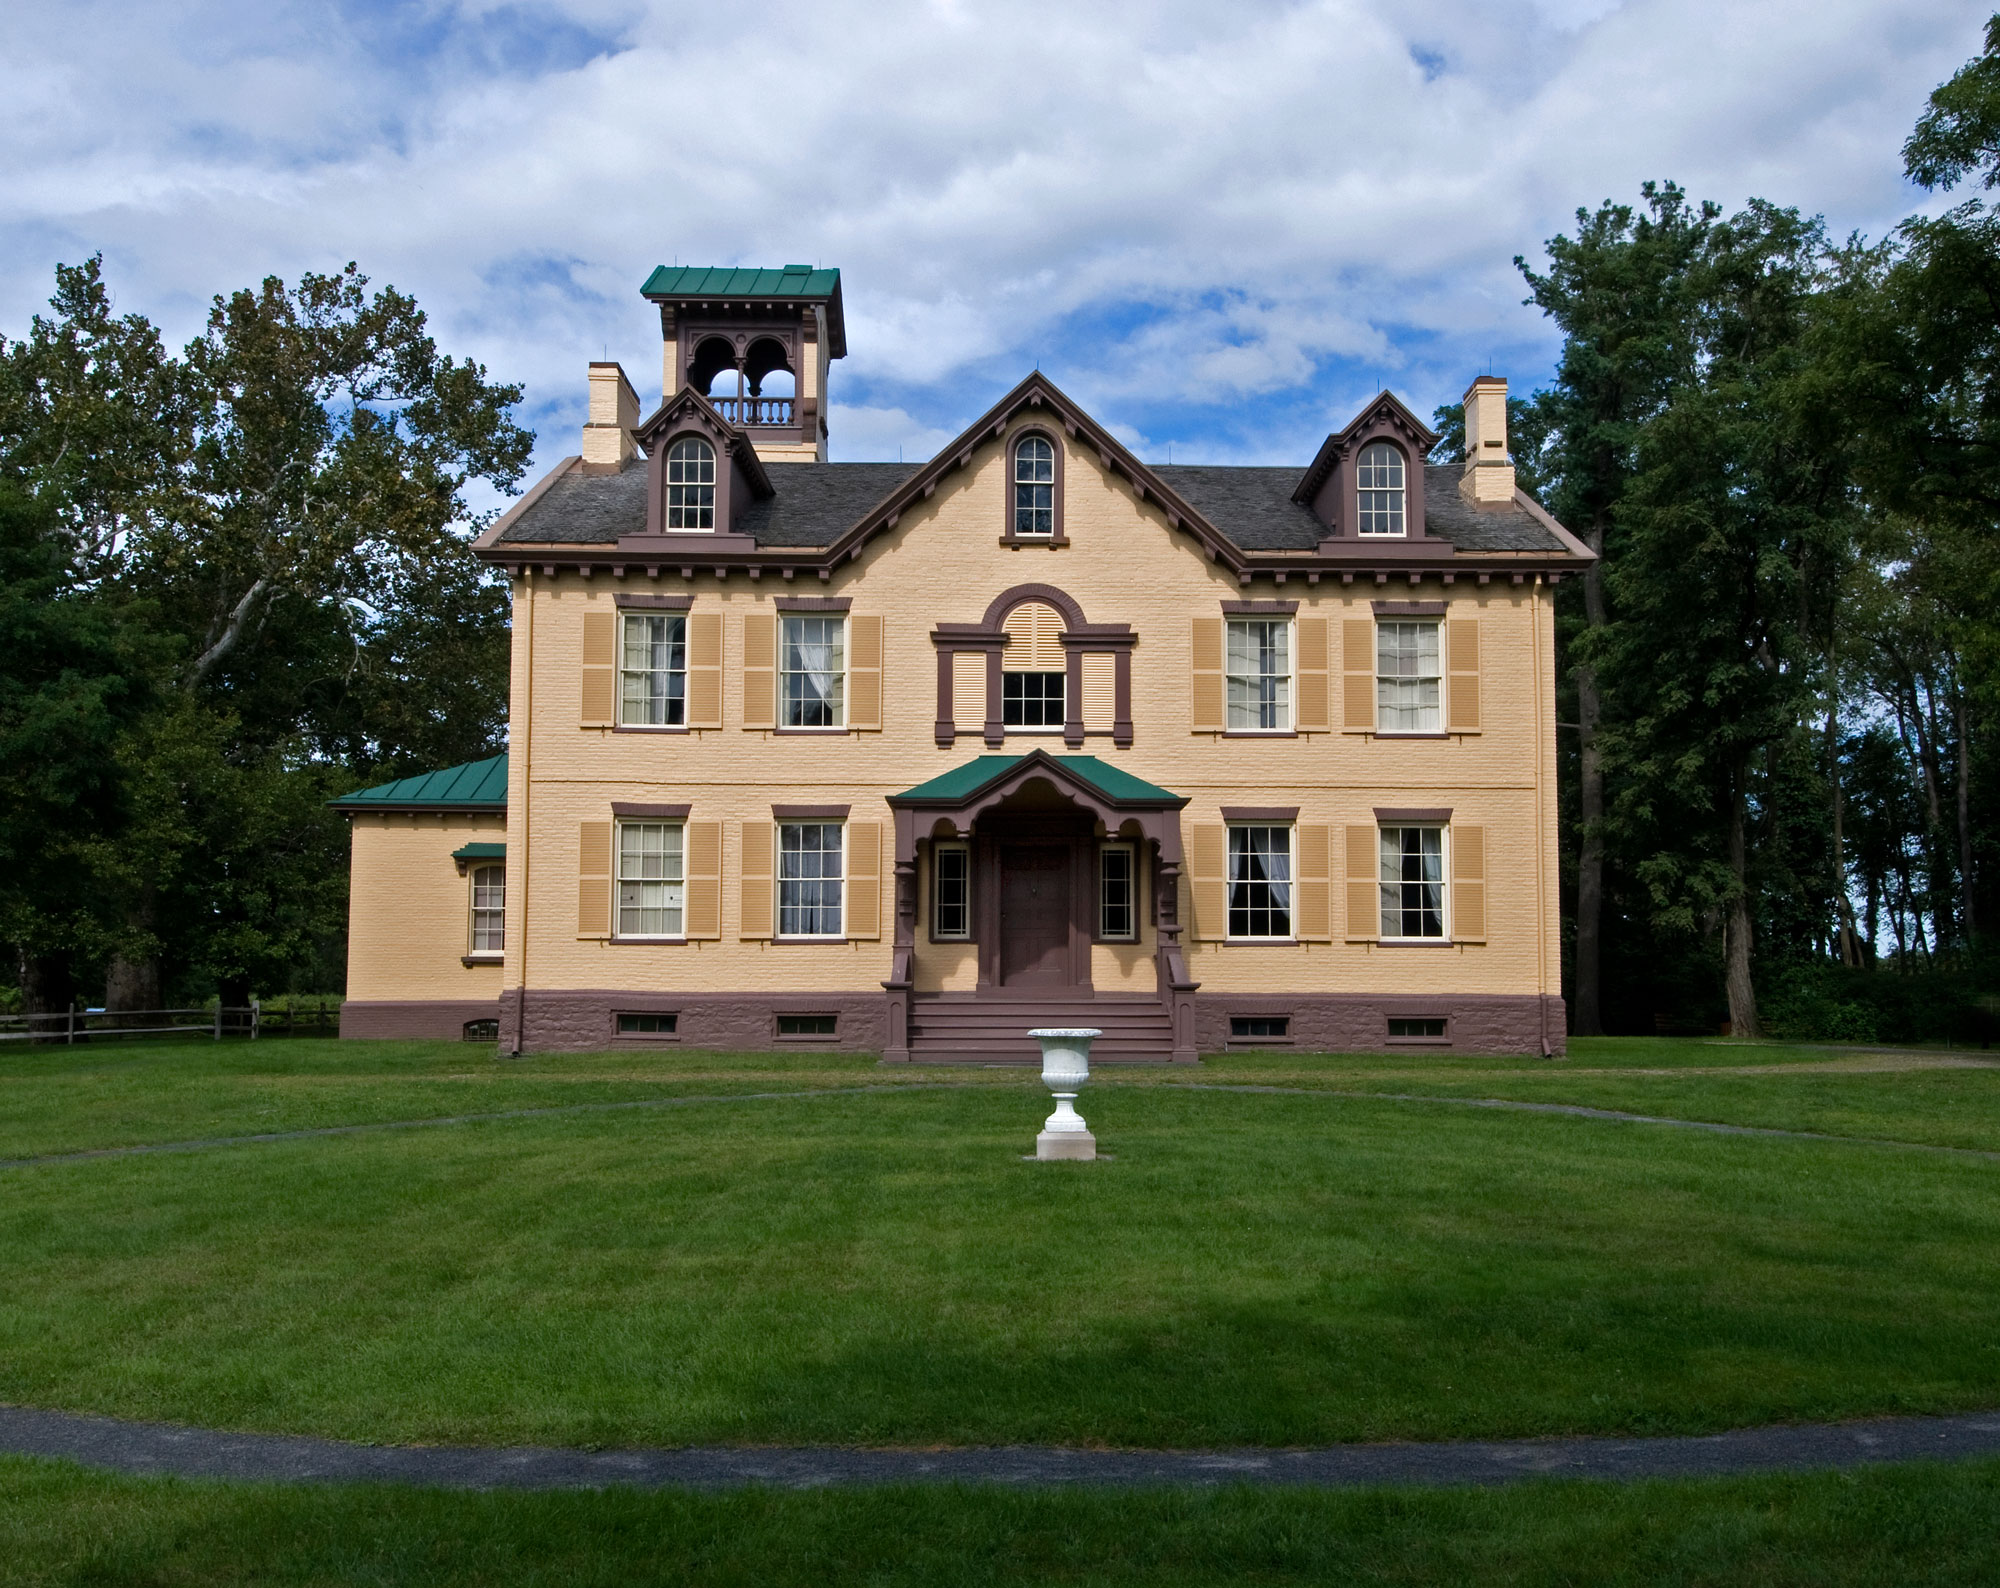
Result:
1221,227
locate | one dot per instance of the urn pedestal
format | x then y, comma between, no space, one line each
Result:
1065,1067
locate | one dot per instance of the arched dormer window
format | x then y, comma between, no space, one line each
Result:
1034,488
691,484
1380,492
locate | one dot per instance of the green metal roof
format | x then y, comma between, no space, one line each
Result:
709,281
1113,782
480,852
476,786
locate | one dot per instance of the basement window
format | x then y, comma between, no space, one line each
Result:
1427,1028
481,1031
649,1025
1269,1028
807,1026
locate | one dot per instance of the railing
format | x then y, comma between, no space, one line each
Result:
322,1018
754,410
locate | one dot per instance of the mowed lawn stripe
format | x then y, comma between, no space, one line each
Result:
1252,1269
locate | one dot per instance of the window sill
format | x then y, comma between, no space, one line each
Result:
1260,733
813,942
642,941
820,733
1414,942
470,960
1034,540
1417,1042
1410,733
1259,942
651,727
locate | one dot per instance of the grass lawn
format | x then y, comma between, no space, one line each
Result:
1908,1525
883,1268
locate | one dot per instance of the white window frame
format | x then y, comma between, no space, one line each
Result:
839,880
498,911
1131,854
1061,674
1443,883
676,887
1384,681
838,674
1231,678
962,850
699,502
627,673
1290,882
1375,495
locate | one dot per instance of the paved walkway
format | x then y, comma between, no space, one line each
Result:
150,1448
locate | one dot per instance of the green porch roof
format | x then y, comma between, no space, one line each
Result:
480,852
712,281
1114,783
475,786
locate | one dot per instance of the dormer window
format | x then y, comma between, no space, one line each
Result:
691,484
1379,490
1035,487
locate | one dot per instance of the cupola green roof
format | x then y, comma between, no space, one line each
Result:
746,284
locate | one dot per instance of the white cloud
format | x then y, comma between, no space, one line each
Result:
1222,222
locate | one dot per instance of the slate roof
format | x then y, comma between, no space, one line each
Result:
475,786
815,503
1113,782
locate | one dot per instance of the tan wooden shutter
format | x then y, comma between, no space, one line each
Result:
760,669
1313,686
704,879
754,847
1034,631
1364,884
968,691
1468,883
1357,675
1462,697
600,669
1205,688
1208,865
704,659
1100,691
593,880
864,879
864,672
1315,883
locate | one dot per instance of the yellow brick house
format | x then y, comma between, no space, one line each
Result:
910,758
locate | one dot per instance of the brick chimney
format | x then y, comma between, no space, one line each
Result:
1488,480
614,411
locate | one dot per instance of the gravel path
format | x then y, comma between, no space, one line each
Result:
153,1448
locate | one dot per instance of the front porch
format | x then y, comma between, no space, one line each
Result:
1028,835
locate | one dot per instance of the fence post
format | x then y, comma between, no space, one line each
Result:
218,1020
256,1017
69,1040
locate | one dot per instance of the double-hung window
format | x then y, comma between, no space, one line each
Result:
489,909
1260,674
1379,490
653,674
1260,882
1407,692
652,886
951,892
809,879
812,662
1413,882
1117,894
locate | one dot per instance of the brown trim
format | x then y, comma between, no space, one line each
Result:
1020,595
1398,733
1259,733
810,813
1408,609
1135,848
658,812
667,603
484,958
1413,942
649,727
1259,609
812,603
1412,813
1260,813
1052,435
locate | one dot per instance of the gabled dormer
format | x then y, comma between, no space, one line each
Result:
757,345
1367,484
702,474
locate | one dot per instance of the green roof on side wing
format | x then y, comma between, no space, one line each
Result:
475,786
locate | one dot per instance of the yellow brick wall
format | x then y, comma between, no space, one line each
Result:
945,562
409,910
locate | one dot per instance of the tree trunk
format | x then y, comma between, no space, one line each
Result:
131,984
1843,906
1590,814
1736,948
47,985
1965,877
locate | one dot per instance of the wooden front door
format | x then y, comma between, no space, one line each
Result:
1034,915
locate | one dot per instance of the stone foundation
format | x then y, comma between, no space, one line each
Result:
549,1021
1359,1022
444,1017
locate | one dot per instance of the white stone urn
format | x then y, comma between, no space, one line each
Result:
1065,1067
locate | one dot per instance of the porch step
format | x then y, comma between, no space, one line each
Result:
995,1031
